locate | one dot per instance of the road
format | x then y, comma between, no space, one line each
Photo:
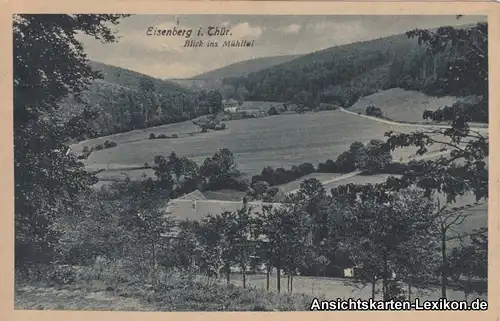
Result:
430,155
356,173
390,122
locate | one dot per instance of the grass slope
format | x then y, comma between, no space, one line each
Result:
402,105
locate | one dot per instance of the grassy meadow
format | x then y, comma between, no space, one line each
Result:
402,105
276,141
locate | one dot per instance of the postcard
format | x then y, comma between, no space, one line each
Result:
273,157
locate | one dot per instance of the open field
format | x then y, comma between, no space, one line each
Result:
332,288
294,185
402,105
277,141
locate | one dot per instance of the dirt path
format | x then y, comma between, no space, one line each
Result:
390,122
356,173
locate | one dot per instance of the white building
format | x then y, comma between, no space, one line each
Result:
230,106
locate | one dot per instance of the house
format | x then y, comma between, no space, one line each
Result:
349,272
230,105
195,206
352,272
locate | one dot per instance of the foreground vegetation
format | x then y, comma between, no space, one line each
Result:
394,234
114,287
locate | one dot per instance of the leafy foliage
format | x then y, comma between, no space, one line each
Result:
465,169
49,65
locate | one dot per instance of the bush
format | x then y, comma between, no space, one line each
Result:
99,147
62,274
162,136
175,136
109,144
373,111
211,125
327,167
152,136
306,169
272,111
204,129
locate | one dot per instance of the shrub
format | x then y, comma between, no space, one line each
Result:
211,125
306,169
204,129
109,144
162,136
327,167
62,274
175,136
152,136
272,111
99,147
373,111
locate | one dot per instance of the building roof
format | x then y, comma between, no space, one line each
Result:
193,196
197,209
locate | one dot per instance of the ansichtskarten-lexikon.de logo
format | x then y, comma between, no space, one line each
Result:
396,305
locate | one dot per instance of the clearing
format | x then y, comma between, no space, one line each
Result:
402,105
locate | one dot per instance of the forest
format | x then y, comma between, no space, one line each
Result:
122,100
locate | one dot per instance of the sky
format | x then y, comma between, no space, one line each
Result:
166,57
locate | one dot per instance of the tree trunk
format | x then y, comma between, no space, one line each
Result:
267,277
374,283
288,282
409,288
154,253
278,279
228,274
444,269
291,283
384,280
244,276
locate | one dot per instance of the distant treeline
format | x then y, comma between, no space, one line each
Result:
370,159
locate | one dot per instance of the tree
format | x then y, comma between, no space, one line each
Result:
286,230
471,260
465,168
244,232
272,111
382,228
374,157
47,176
219,171
214,101
242,93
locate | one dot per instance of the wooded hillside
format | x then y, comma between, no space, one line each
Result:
343,74
125,100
